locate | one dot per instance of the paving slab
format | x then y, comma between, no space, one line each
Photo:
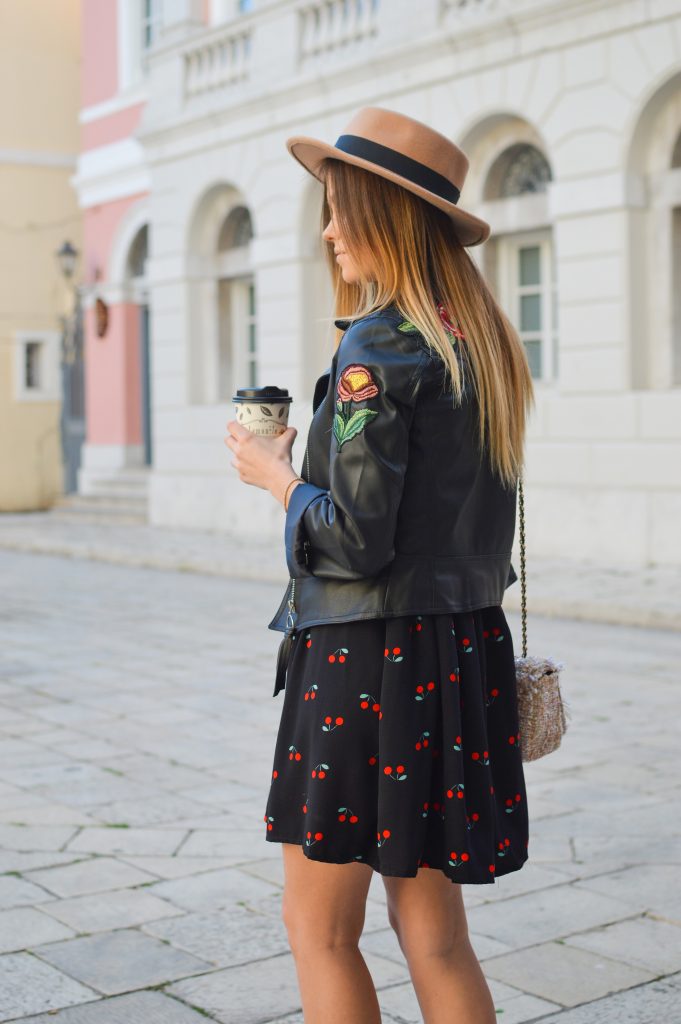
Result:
643,942
564,974
647,1004
225,938
127,840
94,874
27,986
214,890
247,995
133,1008
25,927
551,913
119,961
120,908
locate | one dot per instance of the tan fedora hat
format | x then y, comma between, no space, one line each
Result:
405,151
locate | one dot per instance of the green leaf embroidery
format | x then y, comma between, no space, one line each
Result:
407,327
355,425
338,430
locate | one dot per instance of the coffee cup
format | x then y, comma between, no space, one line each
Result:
263,411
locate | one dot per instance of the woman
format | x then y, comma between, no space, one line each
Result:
398,745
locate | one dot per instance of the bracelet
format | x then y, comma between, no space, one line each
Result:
295,480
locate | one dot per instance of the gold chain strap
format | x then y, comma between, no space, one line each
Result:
523,582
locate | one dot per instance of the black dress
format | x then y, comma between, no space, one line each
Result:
398,746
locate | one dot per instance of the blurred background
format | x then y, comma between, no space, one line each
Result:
160,248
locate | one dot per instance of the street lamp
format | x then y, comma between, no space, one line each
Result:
67,256
72,371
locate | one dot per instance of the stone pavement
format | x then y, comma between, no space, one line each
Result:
137,732
556,587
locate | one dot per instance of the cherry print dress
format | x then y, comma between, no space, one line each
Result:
398,746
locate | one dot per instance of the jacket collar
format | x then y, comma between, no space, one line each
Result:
344,322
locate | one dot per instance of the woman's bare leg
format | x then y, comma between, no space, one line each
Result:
323,909
429,918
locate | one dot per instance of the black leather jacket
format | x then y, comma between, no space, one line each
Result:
400,515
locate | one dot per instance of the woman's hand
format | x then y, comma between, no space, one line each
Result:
262,461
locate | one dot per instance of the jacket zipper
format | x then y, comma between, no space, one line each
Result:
292,614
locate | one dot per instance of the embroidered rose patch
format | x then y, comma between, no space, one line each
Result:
355,384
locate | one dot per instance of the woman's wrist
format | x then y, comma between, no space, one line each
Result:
285,484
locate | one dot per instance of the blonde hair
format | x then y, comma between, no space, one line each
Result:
415,260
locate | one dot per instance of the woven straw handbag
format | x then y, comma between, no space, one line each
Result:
542,711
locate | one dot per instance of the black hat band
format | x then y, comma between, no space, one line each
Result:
391,160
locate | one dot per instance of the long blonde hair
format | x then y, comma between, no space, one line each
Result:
416,261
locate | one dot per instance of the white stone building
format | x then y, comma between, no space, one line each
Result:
570,113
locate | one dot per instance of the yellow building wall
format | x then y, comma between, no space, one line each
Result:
39,141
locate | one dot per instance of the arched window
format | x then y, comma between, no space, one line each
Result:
238,354
524,265
137,256
675,375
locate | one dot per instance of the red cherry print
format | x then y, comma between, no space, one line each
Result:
387,770
386,833
339,721
450,794
485,753
509,803
376,707
475,755
309,835
465,856
418,745
495,692
341,657
332,658
511,739
364,704
298,755
431,686
380,714
475,816
353,818
327,719
290,756
507,842
385,653
453,855
308,643
314,774
396,650
460,795
319,835
465,641
458,739
400,768
492,868
419,689
322,774
306,697
304,808
341,817
517,796
275,773
496,631
418,627
372,760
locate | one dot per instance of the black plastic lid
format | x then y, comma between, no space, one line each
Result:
266,394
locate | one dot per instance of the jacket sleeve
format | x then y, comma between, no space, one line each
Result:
348,531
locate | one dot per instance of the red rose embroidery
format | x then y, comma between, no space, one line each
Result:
356,384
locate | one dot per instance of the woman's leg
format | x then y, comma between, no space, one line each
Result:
323,910
429,918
